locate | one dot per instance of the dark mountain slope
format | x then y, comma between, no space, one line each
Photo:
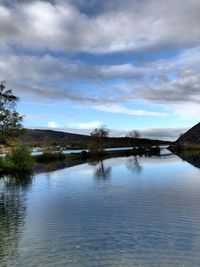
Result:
191,137
51,136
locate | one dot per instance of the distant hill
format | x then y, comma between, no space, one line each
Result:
36,137
191,137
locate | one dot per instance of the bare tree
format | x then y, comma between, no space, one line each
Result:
133,164
98,135
134,135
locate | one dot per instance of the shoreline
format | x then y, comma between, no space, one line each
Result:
51,161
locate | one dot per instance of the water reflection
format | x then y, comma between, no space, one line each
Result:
57,165
22,181
133,164
71,221
192,157
12,214
101,172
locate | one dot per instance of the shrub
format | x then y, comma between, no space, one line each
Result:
18,160
49,156
95,148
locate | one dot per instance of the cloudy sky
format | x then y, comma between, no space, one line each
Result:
78,64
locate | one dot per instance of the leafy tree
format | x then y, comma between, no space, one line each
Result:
98,135
10,120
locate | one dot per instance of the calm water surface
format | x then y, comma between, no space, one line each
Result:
118,212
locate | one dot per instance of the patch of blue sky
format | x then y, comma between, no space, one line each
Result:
20,50
166,54
107,59
143,104
136,58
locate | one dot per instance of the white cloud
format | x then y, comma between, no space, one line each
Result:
81,128
188,111
123,110
53,124
89,125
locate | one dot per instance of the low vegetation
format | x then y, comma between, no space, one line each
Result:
182,148
18,160
48,156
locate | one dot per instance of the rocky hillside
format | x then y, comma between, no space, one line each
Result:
191,137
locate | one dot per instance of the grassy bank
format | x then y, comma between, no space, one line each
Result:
182,148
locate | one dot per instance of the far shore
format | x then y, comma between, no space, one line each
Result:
49,160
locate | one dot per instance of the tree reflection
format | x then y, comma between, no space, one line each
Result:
101,171
12,214
133,164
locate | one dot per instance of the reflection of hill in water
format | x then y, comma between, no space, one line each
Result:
57,165
191,157
12,215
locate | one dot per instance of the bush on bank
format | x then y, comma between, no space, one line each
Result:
18,160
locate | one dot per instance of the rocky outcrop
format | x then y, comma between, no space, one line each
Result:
191,137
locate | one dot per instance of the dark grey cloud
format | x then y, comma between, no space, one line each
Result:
117,26
179,90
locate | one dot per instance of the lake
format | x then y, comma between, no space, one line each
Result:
125,212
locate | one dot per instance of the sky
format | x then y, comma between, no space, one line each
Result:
80,64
